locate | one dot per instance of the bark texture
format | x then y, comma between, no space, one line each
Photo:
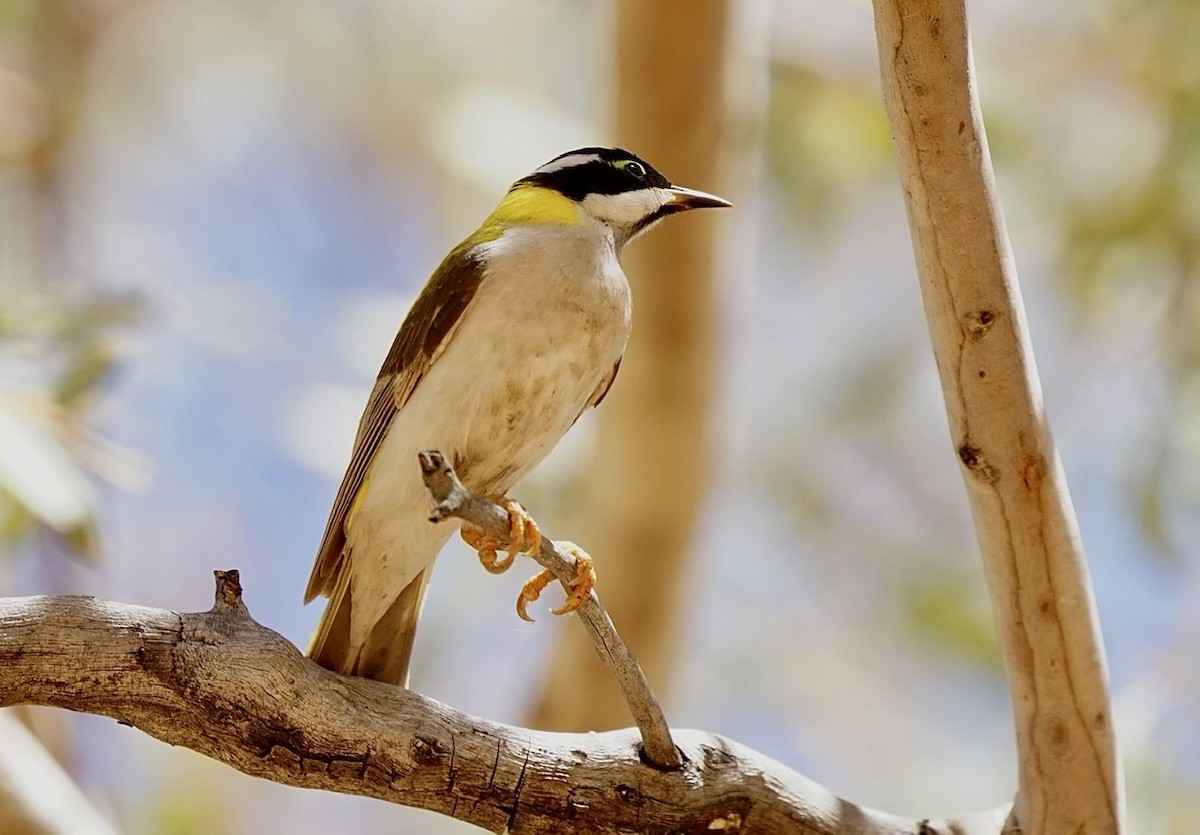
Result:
654,446
219,683
1069,778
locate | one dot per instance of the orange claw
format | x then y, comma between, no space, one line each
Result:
523,538
584,582
581,585
532,590
486,545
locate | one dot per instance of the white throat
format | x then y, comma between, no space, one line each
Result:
627,208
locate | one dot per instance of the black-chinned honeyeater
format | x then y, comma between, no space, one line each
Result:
518,331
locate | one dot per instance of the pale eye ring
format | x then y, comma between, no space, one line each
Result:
634,168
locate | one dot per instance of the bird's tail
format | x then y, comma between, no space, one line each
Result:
385,654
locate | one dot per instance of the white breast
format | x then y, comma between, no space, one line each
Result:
548,323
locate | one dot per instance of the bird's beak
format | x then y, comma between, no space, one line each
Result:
680,198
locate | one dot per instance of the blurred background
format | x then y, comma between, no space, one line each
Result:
214,216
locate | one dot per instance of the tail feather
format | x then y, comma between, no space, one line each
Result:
387,651
330,644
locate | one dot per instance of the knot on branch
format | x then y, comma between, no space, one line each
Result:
978,464
442,482
229,593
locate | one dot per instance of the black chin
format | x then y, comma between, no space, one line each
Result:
655,216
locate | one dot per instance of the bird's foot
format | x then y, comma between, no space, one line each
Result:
524,537
581,586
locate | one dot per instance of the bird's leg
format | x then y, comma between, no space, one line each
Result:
486,545
581,586
523,538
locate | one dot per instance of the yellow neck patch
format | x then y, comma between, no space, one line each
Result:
527,205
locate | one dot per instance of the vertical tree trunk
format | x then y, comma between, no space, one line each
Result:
657,418
1069,779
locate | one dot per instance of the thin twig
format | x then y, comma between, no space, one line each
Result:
453,499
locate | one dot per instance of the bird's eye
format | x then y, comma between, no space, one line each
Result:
633,168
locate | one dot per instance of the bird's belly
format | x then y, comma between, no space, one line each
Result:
522,391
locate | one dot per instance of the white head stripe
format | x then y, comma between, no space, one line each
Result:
569,161
626,208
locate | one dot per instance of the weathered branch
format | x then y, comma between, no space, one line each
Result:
453,499
1069,776
219,683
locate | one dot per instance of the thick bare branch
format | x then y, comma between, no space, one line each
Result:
219,683
1069,777
453,499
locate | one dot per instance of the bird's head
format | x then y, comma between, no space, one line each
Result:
609,185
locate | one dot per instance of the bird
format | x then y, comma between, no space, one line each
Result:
518,332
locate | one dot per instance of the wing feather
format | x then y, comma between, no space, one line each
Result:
601,391
606,385
427,329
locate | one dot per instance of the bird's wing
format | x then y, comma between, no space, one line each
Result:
426,331
601,390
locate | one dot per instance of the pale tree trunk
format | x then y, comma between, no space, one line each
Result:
1069,777
654,450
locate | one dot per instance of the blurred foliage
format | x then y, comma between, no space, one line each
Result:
952,611
17,12
57,347
1130,222
183,804
824,137
56,353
